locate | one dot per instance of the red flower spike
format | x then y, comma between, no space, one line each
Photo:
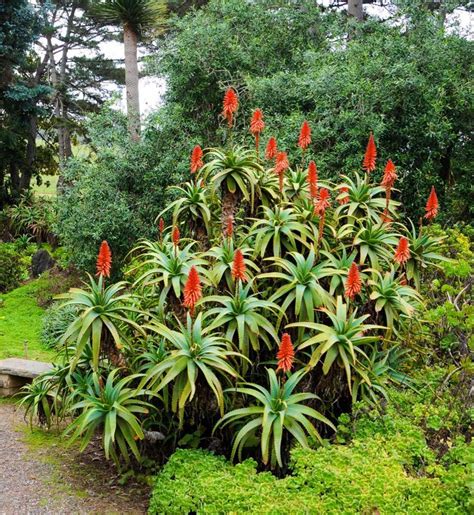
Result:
161,225
370,155
286,354
175,236
304,139
389,176
353,282
281,165
196,159
272,149
323,202
432,205
192,290
345,198
230,105
256,126
104,260
238,266
402,254
313,180
229,227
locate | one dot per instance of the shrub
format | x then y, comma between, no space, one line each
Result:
11,268
55,322
389,464
363,477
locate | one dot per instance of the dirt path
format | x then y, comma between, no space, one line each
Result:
45,477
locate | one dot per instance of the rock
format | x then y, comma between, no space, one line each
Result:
40,262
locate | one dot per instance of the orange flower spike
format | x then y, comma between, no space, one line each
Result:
402,253
272,149
229,227
370,155
313,180
230,105
196,159
286,353
104,260
256,126
320,209
304,139
353,282
175,236
281,166
389,176
345,198
323,202
432,205
192,290
238,266
161,225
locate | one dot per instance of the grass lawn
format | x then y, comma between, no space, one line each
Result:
20,322
46,190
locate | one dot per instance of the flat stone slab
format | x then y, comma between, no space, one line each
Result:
23,367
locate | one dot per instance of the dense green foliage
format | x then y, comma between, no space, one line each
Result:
55,322
11,269
20,98
389,462
105,198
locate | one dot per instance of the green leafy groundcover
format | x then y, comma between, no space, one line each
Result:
387,466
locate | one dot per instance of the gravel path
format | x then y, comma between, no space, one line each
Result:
52,480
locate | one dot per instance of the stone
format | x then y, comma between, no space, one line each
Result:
23,367
40,262
16,372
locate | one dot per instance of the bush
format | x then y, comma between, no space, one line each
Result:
361,478
449,309
55,322
11,268
98,205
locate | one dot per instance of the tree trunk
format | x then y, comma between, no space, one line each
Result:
131,82
355,9
29,169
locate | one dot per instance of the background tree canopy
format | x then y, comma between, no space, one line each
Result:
406,79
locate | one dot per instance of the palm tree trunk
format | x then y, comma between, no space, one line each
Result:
131,82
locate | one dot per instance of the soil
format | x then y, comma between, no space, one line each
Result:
42,476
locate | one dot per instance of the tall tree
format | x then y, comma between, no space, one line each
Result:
21,97
77,69
136,17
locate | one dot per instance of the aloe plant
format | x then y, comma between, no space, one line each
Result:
340,342
192,205
278,410
115,409
245,315
103,319
300,290
196,353
278,231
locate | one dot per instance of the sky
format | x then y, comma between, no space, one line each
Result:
152,89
